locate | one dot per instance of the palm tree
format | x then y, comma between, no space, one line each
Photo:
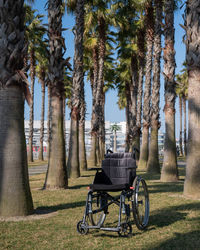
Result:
147,90
192,179
115,128
34,34
169,169
77,86
57,172
153,159
41,70
15,195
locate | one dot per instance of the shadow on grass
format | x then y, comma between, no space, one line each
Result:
50,209
175,187
189,240
170,215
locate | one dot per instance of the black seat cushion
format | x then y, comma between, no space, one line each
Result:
118,173
111,188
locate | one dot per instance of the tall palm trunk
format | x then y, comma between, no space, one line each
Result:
31,115
192,179
141,62
185,130
180,137
133,94
153,160
99,103
57,173
169,169
49,121
92,159
78,84
147,91
42,80
15,195
82,148
128,100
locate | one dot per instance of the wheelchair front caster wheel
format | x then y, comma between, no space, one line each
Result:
82,228
125,230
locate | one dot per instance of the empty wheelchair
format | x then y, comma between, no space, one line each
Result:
118,174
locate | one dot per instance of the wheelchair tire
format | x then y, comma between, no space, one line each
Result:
97,217
140,203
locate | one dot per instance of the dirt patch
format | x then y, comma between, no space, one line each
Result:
38,215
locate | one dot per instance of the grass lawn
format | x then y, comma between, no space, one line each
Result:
174,221
37,163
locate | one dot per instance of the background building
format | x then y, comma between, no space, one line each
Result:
109,136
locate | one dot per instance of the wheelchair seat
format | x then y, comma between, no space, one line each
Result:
117,173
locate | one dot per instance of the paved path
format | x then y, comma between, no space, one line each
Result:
37,170
42,169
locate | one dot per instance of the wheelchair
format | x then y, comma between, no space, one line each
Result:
117,175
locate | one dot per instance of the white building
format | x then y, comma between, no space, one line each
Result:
109,136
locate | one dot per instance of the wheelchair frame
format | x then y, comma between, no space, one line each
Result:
123,228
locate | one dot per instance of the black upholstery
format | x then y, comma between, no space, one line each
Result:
118,172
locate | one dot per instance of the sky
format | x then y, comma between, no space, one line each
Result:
112,112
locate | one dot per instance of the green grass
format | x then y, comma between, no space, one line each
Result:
174,220
37,163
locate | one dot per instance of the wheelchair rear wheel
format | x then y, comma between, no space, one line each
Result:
140,203
98,214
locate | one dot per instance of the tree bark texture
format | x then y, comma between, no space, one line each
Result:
133,94
185,127
192,179
141,62
15,195
57,172
169,169
128,100
49,121
180,135
92,159
77,86
42,80
153,160
144,149
31,114
147,90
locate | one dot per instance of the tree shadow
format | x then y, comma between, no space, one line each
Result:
55,208
160,187
170,215
189,240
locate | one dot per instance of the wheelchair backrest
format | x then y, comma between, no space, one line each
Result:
120,168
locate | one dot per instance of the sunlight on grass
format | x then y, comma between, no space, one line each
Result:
174,221
37,163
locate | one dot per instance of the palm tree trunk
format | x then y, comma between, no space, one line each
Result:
133,94
49,121
78,85
180,138
31,115
192,179
128,100
141,60
153,160
115,141
185,130
57,174
82,148
15,193
41,156
147,92
169,171
92,159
